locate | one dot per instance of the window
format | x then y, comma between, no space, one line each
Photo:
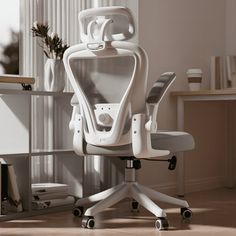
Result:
9,40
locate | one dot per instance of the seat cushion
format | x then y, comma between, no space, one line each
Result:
174,141
123,151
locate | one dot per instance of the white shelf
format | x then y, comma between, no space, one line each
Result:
24,214
38,153
34,93
20,133
52,209
6,155
209,93
11,216
51,152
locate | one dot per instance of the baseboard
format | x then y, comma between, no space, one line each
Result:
168,188
204,184
192,185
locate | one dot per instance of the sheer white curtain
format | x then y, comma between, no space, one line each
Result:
62,17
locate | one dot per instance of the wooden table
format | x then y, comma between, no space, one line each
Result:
196,96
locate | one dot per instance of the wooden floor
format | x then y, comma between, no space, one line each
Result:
214,214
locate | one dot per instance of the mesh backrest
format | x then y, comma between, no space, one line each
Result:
104,80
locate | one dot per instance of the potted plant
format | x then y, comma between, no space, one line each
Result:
53,48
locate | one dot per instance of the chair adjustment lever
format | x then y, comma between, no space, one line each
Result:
172,162
137,164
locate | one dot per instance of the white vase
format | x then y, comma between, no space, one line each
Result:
54,75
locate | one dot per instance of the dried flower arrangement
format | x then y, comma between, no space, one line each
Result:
53,46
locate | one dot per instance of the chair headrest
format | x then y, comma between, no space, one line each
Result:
106,24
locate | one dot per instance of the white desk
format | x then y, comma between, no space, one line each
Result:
204,95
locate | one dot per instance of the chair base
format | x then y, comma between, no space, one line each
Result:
131,189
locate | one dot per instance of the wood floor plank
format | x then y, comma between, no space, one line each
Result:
214,214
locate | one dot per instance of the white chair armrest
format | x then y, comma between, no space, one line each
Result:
78,138
141,139
76,125
76,110
155,96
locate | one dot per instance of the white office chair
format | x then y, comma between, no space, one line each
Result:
124,127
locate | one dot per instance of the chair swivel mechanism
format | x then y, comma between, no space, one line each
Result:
113,113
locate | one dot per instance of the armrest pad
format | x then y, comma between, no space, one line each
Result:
160,87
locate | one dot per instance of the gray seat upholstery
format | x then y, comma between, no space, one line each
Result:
172,140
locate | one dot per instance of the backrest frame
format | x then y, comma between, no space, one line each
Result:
133,100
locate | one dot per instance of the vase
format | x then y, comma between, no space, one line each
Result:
54,75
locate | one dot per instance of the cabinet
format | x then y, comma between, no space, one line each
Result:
26,134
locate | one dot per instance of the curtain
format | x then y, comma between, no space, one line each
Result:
62,17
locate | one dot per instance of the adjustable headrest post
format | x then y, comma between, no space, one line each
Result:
102,25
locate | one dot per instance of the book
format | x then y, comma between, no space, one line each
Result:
14,193
216,72
16,79
4,188
0,188
16,82
4,180
9,188
2,161
49,191
39,205
39,188
50,196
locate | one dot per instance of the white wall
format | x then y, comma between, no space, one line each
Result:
230,27
177,35
230,49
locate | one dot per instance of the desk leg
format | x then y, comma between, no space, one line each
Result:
230,148
180,162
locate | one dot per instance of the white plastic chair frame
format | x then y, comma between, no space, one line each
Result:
139,136
85,120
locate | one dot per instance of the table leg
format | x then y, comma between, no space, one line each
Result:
230,147
180,162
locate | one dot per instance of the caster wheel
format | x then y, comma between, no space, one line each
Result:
88,222
135,206
78,211
162,224
186,213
